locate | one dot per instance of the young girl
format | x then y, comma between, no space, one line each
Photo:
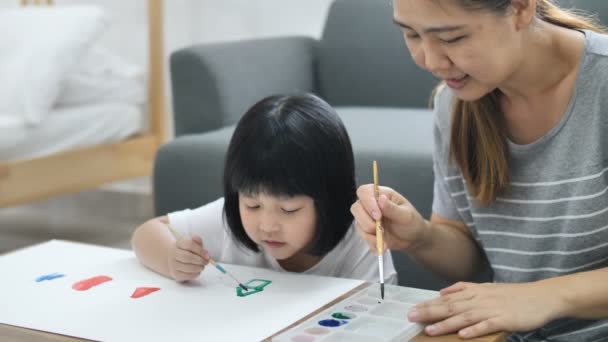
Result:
521,169
288,185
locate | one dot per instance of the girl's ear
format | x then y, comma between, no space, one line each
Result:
523,11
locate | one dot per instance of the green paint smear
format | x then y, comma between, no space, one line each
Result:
259,287
340,315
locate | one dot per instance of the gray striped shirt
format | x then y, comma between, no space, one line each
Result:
553,220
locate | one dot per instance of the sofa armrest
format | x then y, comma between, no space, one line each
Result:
213,84
188,170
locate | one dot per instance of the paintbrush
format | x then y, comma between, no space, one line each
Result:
219,267
379,234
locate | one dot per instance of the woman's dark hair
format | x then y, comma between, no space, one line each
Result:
288,145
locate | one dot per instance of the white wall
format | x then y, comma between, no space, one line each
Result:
201,21
219,20
193,21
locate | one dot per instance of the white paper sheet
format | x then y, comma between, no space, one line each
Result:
204,310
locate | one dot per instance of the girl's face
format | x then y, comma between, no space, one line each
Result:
473,51
283,226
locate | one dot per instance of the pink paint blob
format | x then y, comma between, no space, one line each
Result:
143,291
86,284
303,338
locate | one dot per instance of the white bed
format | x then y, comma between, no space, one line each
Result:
73,116
69,128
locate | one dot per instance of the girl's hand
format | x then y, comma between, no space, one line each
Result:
479,309
403,225
187,259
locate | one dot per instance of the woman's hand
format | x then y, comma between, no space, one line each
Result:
475,310
403,225
187,259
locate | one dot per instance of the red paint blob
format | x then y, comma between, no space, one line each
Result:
143,291
86,284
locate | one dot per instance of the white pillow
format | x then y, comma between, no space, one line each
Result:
103,77
39,46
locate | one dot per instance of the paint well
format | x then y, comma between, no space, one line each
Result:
381,328
342,315
368,301
414,298
317,331
86,284
143,291
342,336
303,338
408,298
332,323
48,277
355,308
389,292
392,310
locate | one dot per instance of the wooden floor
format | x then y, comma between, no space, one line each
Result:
104,217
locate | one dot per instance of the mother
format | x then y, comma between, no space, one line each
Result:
521,169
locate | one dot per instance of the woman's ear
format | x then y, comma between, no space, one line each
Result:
524,11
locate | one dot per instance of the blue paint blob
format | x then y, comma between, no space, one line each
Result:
331,323
49,277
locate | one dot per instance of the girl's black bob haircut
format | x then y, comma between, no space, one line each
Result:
288,145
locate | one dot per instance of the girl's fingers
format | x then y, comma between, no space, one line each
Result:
205,256
198,246
181,276
188,268
194,245
187,257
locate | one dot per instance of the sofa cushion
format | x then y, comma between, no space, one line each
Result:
363,60
401,140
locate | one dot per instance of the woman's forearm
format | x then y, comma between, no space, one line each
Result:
582,295
449,252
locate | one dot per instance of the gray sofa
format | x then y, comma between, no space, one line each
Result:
360,66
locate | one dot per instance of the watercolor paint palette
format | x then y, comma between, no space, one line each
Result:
363,317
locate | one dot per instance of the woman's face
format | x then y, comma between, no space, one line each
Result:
474,51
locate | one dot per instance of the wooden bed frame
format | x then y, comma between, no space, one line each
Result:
87,168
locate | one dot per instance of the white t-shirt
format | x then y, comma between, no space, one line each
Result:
351,258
